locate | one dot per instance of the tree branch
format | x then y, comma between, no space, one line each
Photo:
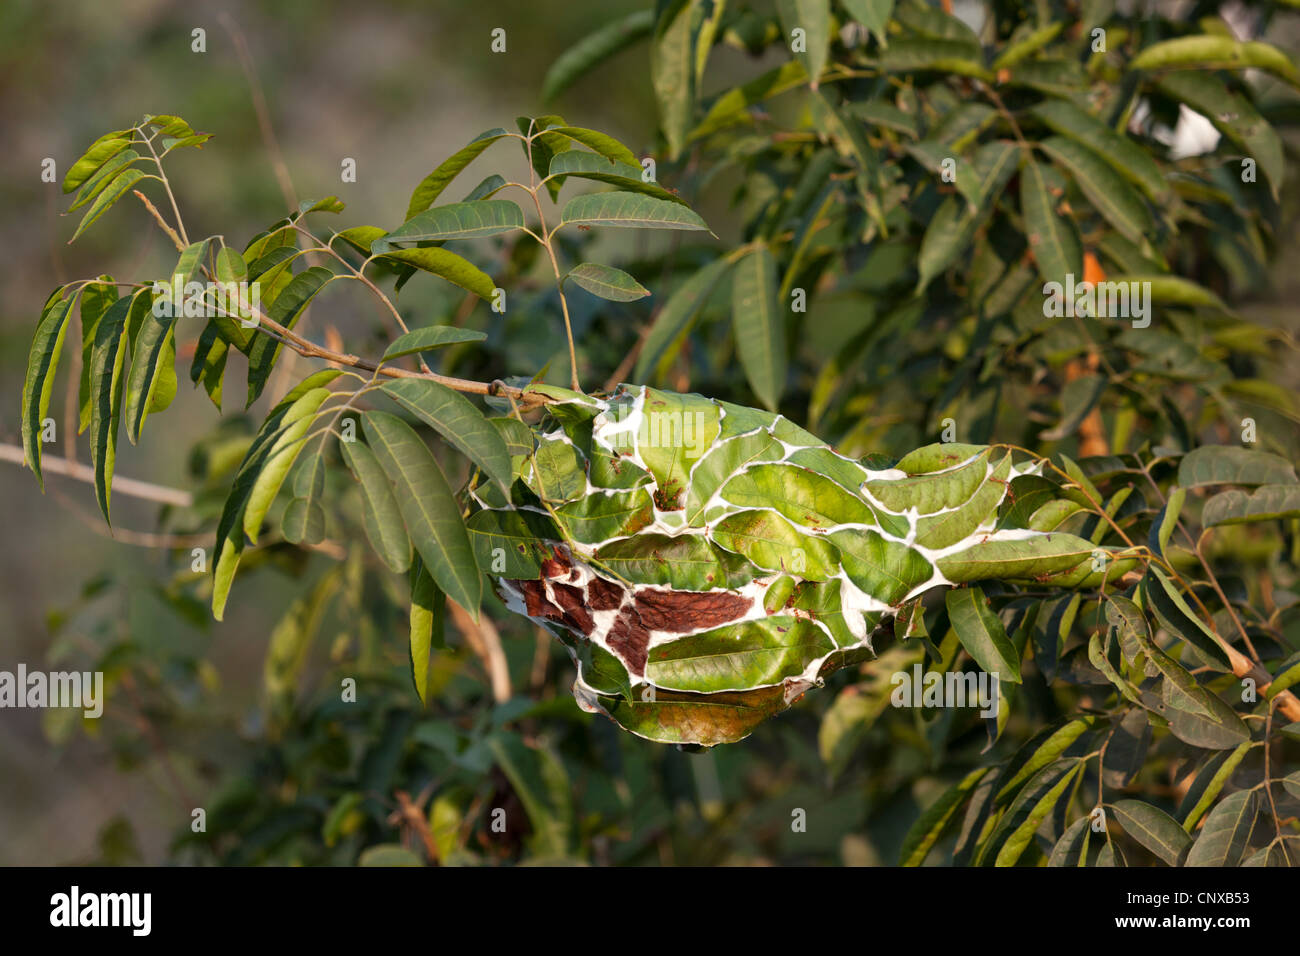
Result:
126,486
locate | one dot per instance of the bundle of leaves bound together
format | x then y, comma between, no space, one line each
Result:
705,564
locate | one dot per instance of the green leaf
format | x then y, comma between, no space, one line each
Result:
303,522
956,221
759,326
1026,45
705,719
1213,52
672,69
872,14
585,165
230,266
511,543
380,515
153,366
1097,657
850,141
99,153
630,210
1226,834
706,36
42,362
281,235
936,819
1127,745
1209,782
446,265
275,466
166,124
285,310
556,471
594,49
517,436
328,204
1129,160
190,263
602,143
1162,529
674,319
1196,716
96,183
429,338
431,187
596,518
209,365
1291,783
359,237
1287,675
1109,193
926,21
110,194
1014,560
489,187
908,54
1072,848
1265,503
887,570
309,477
428,507
1175,614
456,419
1175,290
388,855
684,562
886,114
1055,76
1154,829
1052,239
737,657
106,362
170,143
300,404
607,282
428,605
802,495
1047,746
1030,808
732,107
458,220
1230,465
771,543
813,17
982,634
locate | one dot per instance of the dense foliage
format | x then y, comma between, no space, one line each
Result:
928,217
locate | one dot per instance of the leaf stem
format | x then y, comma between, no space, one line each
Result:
162,176
545,240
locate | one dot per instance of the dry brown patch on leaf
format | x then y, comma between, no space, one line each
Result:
684,611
